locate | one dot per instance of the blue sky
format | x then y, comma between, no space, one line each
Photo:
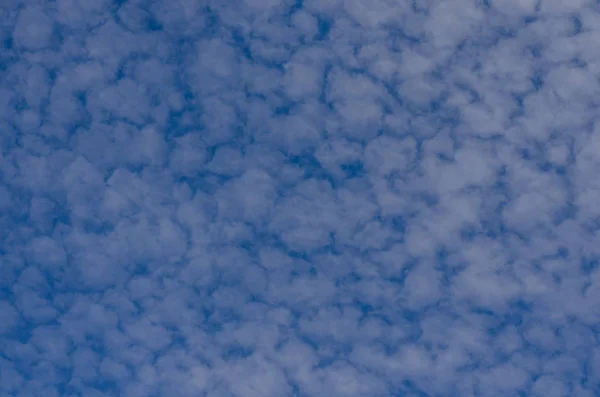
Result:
268,198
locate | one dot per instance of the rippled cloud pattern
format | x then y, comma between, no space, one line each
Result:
304,198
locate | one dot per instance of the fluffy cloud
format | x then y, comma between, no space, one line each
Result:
315,198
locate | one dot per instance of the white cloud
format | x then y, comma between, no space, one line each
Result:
10,317
299,198
33,29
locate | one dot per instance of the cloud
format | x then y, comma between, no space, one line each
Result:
273,198
33,29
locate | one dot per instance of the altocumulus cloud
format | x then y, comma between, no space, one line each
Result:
308,198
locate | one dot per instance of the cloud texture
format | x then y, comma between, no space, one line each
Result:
306,198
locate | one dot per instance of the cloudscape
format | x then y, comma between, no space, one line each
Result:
303,198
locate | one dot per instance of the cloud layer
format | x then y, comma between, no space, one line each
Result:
312,198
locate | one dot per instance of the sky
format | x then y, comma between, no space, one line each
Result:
309,198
